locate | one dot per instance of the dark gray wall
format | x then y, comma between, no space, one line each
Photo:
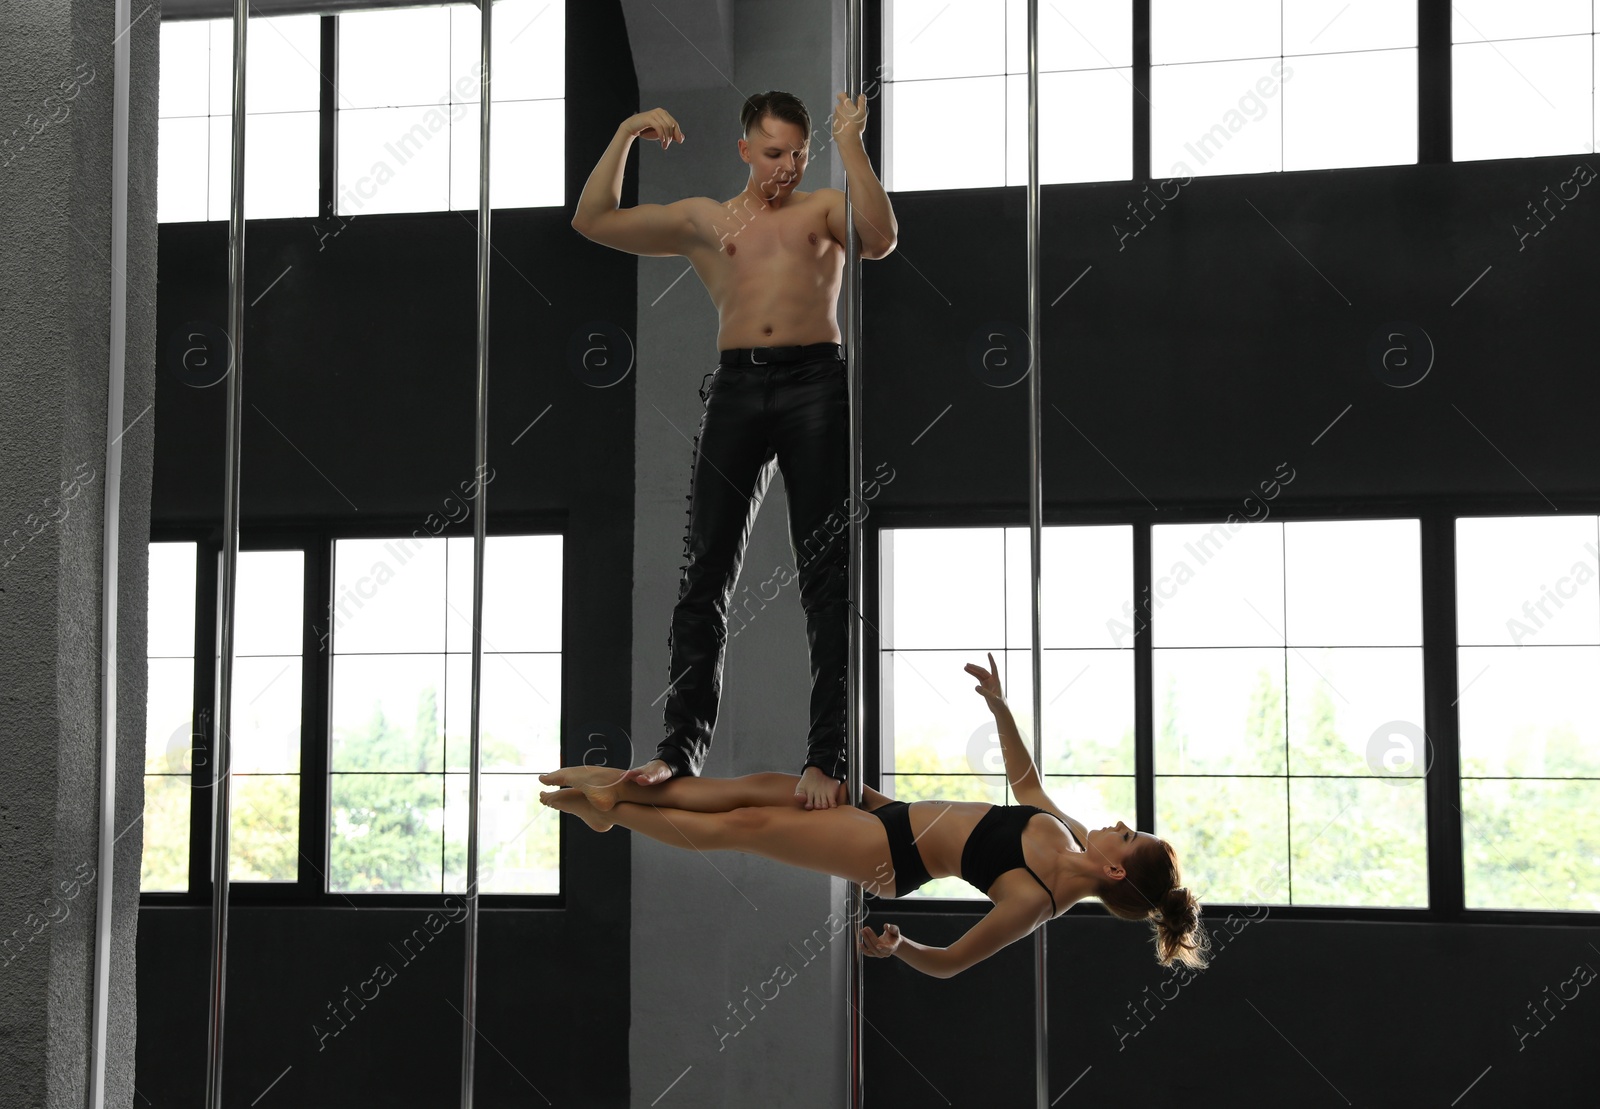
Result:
56,69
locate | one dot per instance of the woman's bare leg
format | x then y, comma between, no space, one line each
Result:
845,842
604,787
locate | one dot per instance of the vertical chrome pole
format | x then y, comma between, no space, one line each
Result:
111,544
221,786
1041,1038
469,997
855,765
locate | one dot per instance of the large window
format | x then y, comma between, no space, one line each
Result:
1287,685
406,96
393,733
956,92
1528,659
1286,741
1523,77
939,738
1251,86
196,111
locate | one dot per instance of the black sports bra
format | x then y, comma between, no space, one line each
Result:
995,847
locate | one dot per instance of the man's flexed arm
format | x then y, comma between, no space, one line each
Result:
654,230
875,222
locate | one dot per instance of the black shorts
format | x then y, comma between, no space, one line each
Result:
910,873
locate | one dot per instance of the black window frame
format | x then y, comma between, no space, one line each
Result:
316,540
1437,524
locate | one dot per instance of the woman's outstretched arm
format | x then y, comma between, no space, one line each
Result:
1026,784
1005,924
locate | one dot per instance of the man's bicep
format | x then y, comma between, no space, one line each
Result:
648,230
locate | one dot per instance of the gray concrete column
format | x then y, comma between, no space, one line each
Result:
738,963
56,100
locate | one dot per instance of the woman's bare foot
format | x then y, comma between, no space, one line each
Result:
572,800
599,783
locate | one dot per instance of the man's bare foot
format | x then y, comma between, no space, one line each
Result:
572,800
599,783
651,773
819,790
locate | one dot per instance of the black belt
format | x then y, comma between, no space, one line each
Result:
762,356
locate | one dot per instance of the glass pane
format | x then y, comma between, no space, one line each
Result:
1096,802
1351,110
283,72
519,846
921,610
1351,583
164,866
1209,30
1349,708
269,602
1073,34
182,161
1326,26
947,787
266,715
264,845
169,716
388,595
1100,147
185,78
1523,99
1088,710
920,118
521,593
394,160
221,68
1359,842
522,174
529,56
521,710
386,712
1529,713
1219,711
1217,117
171,611
932,721
1550,863
1229,835
393,58
388,833
281,153
1216,585
1476,20
943,38
1522,579
1086,591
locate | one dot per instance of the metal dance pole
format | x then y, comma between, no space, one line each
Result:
854,763
1041,1038
111,546
469,997
221,759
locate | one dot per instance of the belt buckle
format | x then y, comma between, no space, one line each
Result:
754,361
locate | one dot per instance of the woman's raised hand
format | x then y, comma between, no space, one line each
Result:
988,680
879,947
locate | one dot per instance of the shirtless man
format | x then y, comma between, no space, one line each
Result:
772,259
